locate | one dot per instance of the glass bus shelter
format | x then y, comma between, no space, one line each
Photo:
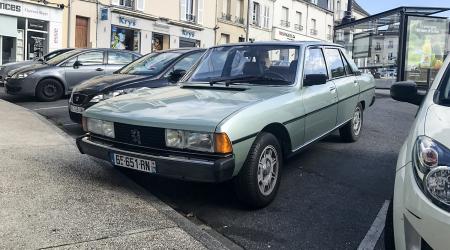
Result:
406,43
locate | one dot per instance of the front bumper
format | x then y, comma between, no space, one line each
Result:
418,222
24,86
168,164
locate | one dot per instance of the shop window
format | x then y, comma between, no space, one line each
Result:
160,42
115,57
122,38
334,62
224,39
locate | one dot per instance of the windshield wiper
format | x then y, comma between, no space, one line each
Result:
249,79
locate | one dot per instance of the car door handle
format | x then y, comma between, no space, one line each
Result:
332,89
99,69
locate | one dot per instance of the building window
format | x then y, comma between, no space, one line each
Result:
239,12
391,44
314,2
298,25
127,3
224,38
330,33
187,9
313,30
266,17
122,38
378,46
285,17
256,13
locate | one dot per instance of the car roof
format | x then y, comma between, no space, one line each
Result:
181,50
295,43
106,49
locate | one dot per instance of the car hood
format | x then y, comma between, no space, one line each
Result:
36,66
180,107
112,82
437,124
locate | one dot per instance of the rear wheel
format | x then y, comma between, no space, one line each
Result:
257,182
49,90
351,131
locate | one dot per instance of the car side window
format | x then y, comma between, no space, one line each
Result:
187,62
347,67
71,61
91,58
119,58
314,62
334,62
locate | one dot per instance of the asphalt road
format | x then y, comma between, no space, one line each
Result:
329,195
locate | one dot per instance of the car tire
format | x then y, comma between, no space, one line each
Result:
351,131
258,181
389,240
49,90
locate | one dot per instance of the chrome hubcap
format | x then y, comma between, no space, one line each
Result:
267,170
357,121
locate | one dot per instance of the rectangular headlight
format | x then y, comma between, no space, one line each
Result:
198,141
100,127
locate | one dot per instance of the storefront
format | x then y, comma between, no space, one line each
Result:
146,33
284,35
406,43
28,30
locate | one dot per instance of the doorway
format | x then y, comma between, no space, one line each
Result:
81,32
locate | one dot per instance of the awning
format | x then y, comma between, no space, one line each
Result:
9,26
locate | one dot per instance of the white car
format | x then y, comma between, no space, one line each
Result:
419,217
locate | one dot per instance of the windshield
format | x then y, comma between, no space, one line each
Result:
60,58
254,64
151,64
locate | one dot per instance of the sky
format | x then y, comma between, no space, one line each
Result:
377,6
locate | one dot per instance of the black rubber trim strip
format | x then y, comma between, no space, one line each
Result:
317,110
413,214
244,138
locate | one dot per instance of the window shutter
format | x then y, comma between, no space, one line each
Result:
140,5
200,8
115,2
182,9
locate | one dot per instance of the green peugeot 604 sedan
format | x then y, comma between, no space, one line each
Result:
236,115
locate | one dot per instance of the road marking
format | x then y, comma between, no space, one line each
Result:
58,107
370,240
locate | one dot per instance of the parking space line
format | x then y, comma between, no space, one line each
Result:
58,107
370,240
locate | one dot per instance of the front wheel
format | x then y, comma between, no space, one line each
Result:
257,182
49,90
351,131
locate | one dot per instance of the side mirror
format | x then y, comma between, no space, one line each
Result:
315,79
406,92
77,64
176,75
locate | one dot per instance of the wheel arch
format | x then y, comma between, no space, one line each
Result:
282,134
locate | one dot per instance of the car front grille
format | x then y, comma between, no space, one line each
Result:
140,135
78,98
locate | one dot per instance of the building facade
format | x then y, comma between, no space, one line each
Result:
29,30
294,20
231,17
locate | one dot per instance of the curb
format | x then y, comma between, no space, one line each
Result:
211,239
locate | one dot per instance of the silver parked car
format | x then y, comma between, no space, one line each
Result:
5,68
56,77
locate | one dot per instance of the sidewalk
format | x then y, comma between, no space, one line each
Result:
52,196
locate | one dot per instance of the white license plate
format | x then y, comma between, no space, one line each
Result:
134,163
76,109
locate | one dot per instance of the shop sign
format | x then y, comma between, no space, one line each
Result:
187,33
35,11
130,22
287,35
104,14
